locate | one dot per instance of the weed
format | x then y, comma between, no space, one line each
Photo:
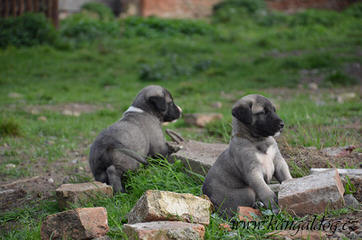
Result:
9,127
340,79
349,187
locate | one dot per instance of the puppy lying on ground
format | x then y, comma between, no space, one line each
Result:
137,135
240,175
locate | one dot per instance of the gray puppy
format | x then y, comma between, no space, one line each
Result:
137,135
240,175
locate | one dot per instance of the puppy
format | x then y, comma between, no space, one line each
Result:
137,135
240,175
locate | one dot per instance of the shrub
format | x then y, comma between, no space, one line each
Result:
82,28
104,12
27,30
155,27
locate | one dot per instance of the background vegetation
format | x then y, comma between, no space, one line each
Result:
101,61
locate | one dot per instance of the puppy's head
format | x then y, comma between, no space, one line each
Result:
258,115
159,102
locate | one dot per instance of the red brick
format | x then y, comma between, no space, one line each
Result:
246,213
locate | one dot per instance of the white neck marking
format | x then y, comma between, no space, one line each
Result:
133,109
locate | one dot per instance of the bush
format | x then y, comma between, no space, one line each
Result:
236,10
27,30
104,12
355,10
81,28
325,18
155,27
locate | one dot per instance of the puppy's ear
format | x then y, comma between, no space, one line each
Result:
243,113
158,102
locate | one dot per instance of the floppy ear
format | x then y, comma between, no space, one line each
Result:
158,102
243,113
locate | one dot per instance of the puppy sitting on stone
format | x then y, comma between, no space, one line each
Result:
137,135
241,173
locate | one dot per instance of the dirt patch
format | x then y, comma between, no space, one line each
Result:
70,109
20,192
310,157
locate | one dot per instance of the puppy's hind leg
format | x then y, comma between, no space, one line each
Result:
114,179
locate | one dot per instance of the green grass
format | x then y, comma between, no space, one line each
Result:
199,63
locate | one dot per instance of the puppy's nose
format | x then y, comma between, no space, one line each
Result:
281,124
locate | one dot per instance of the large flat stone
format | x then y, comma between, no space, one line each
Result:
198,156
80,223
68,194
157,205
342,172
312,194
164,230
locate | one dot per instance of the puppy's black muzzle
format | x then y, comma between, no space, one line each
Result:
173,113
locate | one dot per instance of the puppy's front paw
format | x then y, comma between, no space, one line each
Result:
173,147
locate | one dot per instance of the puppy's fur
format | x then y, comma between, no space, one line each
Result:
138,134
240,175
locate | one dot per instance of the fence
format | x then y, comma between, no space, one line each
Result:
18,7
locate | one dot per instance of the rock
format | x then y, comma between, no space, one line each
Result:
201,119
10,197
301,235
15,95
157,205
313,86
68,112
80,223
338,151
216,105
342,172
10,166
68,194
198,156
42,118
312,194
167,230
51,180
346,97
351,201
354,176
248,213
